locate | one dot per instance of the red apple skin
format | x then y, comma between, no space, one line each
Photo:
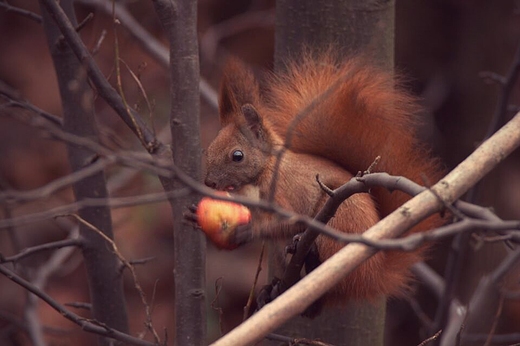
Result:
219,220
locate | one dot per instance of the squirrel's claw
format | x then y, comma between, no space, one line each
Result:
291,248
268,293
190,216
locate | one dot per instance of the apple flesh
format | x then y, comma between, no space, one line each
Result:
219,220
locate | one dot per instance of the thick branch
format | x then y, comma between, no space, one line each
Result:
485,220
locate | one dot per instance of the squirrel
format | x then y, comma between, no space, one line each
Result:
354,113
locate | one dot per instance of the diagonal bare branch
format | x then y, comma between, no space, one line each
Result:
150,44
86,324
105,90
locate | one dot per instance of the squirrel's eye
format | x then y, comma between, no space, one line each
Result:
237,156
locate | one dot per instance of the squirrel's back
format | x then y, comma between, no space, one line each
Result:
350,113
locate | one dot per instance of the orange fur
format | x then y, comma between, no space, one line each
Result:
369,115
365,116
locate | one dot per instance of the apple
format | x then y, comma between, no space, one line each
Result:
219,220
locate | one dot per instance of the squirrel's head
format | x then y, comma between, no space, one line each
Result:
240,152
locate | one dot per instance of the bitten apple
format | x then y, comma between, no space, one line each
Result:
219,219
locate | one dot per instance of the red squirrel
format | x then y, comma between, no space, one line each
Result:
365,114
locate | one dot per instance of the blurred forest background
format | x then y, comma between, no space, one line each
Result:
444,48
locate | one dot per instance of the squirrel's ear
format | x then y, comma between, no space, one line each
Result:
238,87
253,120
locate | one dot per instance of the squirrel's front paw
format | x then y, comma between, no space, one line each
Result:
291,248
268,293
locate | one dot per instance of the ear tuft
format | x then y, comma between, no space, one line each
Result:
253,120
238,87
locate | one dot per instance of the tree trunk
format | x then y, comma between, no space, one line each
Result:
179,20
350,27
102,266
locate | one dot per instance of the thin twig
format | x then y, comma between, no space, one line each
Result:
80,305
143,92
104,89
119,84
431,338
26,105
20,11
250,299
31,319
460,244
156,49
112,202
427,276
39,248
56,185
97,46
495,321
127,264
215,305
87,325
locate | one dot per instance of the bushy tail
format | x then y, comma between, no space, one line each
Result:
351,113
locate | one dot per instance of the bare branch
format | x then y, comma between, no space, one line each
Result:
87,325
247,307
127,264
33,325
60,183
215,305
148,42
80,305
109,306
460,243
113,202
142,90
39,248
14,101
431,338
429,278
105,90
409,243
507,84
20,11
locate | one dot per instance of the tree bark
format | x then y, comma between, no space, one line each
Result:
102,266
348,28
179,20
